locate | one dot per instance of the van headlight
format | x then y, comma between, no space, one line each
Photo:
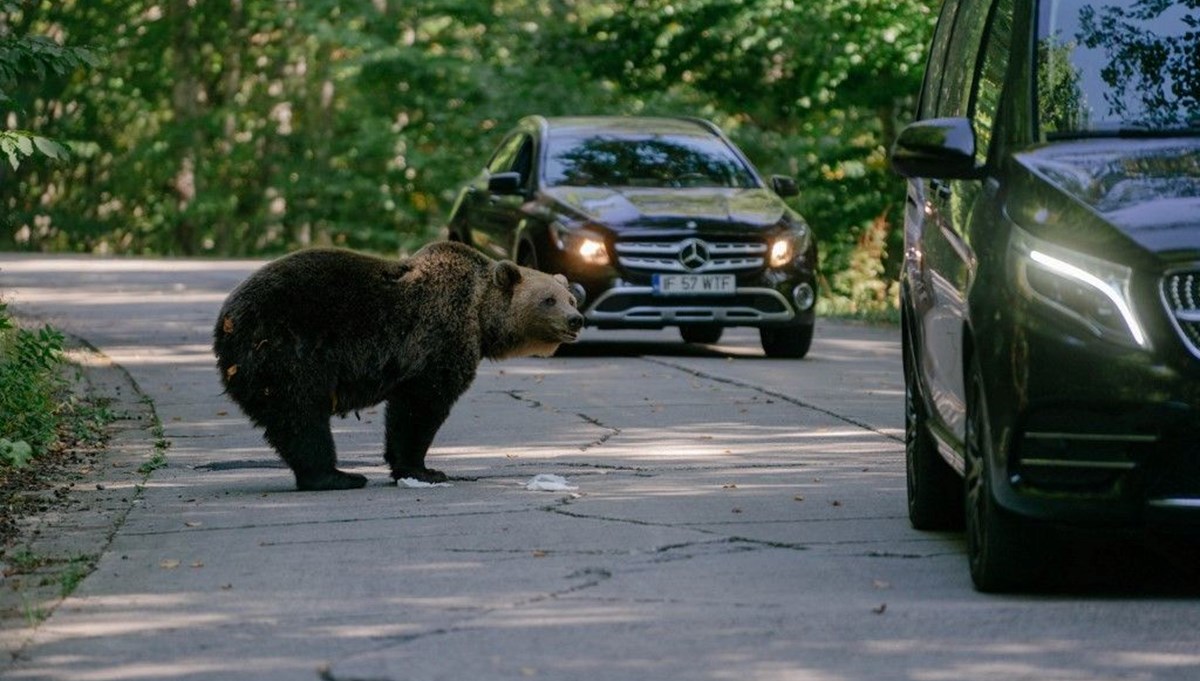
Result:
788,246
1091,291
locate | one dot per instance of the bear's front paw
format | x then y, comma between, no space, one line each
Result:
422,474
334,480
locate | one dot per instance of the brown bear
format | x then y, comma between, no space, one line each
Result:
329,331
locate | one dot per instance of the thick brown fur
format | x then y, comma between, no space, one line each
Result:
328,331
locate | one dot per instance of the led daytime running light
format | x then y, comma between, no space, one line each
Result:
1068,270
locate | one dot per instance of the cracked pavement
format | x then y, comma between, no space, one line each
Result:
736,518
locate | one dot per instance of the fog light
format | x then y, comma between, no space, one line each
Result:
804,296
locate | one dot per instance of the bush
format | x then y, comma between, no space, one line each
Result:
30,383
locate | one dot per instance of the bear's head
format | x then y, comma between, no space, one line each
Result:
541,314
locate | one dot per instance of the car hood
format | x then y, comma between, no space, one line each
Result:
627,207
1149,189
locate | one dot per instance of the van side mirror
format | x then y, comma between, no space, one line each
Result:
784,186
505,183
941,148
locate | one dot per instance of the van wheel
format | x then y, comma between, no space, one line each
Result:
935,492
787,342
1005,552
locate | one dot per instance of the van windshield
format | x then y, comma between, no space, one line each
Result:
1118,67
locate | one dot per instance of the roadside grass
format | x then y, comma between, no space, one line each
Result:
50,425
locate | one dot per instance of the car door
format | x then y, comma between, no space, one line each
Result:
498,215
946,256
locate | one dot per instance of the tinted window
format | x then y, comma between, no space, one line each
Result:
990,84
964,55
937,59
643,161
1118,64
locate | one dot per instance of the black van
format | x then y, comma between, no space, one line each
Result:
1051,279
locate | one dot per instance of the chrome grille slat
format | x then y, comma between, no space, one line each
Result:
1181,296
664,257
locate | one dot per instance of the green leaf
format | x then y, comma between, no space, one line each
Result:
16,454
51,148
24,144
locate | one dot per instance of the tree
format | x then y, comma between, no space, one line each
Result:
30,57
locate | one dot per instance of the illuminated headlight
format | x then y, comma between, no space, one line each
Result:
788,246
583,243
1089,290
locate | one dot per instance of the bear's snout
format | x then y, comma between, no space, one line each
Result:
575,322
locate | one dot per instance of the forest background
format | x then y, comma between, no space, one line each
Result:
254,127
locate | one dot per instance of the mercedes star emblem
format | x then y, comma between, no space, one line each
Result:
693,254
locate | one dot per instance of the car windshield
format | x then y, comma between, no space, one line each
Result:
1118,67
643,160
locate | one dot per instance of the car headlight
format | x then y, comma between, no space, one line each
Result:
584,244
1087,289
788,246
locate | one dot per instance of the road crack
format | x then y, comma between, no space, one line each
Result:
771,393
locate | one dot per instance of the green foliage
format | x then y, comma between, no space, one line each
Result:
30,382
254,127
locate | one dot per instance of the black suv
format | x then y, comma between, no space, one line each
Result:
658,221
1051,280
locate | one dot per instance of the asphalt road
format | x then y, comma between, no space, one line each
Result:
735,518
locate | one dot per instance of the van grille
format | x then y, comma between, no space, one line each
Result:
1181,293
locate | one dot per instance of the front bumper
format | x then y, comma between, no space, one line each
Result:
1087,432
641,307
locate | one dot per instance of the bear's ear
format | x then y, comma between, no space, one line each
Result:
506,275
562,280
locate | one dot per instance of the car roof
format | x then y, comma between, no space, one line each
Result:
591,125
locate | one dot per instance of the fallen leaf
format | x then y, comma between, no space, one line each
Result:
835,502
227,326
880,584
729,486
197,564
880,610
539,554
798,498
169,564
222,413
229,373
736,510
226,587
193,523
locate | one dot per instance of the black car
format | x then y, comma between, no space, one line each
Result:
658,221
1051,279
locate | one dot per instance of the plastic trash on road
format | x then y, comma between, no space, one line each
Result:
548,482
413,482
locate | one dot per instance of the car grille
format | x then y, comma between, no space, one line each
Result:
1181,293
693,256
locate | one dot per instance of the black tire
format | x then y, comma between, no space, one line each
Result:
935,491
701,334
1005,552
786,342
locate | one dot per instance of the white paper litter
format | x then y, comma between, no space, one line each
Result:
548,482
413,482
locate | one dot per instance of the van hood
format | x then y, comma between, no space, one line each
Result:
1149,189
630,207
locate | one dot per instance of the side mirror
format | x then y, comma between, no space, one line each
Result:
941,148
784,186
505,183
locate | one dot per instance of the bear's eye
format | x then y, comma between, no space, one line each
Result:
549,301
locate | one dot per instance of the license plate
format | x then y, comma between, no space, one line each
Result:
684,284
